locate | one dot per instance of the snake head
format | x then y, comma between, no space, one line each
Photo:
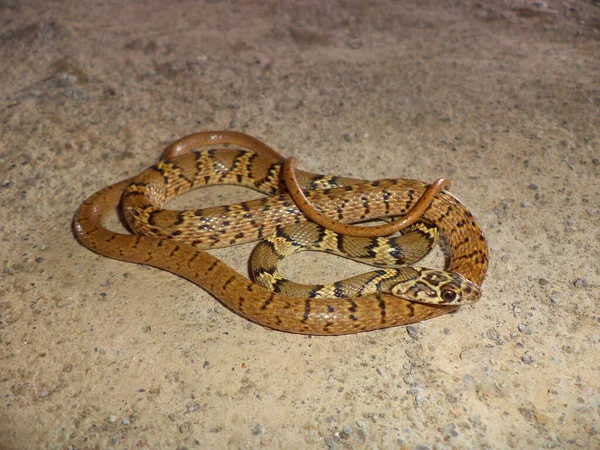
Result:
437,287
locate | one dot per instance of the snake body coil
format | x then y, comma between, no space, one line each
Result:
172,240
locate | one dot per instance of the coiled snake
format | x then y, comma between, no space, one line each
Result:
174,240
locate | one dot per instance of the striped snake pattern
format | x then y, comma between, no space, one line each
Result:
176,240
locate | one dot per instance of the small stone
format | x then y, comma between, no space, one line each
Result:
64,302
527,359
543,282
66,79
533,187
126,421
526,205
412,354
173,416
580,282
347,429
44,394
412,331
193,407
505,258
523,329
413,390
596,161
445,120
348,137
257,430
112,419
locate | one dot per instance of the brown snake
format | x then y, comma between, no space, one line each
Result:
171,242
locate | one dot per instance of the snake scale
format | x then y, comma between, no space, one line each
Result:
175,240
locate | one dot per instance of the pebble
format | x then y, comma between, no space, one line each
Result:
533,187
523,329
44,394
173,416
66,79
580,282
126,421
527,359
347,429
412,391
257,430
451,430
596,161
193,407
348,137
64,302
412,354
543,282
527,205
112,419
412,331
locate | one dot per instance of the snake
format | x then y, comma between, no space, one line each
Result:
176,241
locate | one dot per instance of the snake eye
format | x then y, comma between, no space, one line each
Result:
449,296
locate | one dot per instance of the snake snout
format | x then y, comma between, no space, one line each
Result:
470,292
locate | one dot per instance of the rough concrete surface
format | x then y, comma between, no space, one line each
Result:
501,97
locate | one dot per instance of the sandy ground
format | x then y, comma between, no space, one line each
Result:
504,99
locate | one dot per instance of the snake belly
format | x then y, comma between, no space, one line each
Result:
171,241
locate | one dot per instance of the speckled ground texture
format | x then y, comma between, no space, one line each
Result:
503,98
